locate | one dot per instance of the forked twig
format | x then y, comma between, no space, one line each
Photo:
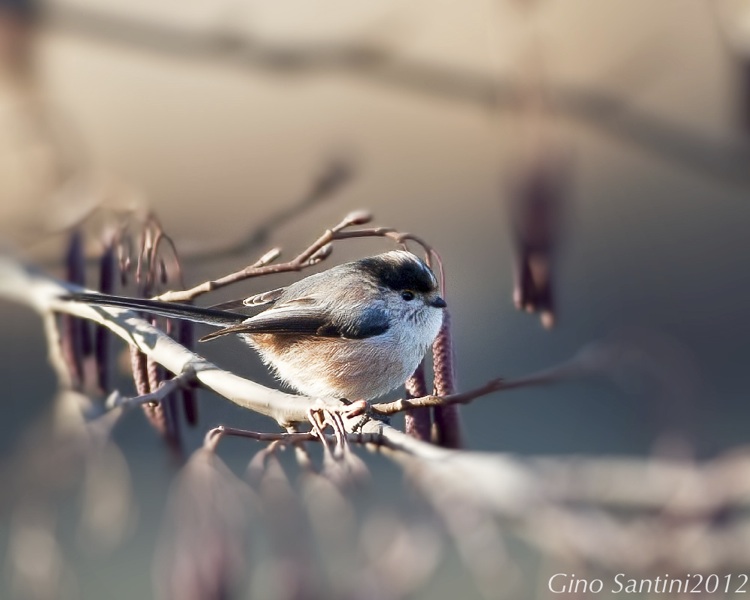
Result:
403,404
316,252
163,390
213,436
577,366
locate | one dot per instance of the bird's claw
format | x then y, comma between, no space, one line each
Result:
360,408
354,409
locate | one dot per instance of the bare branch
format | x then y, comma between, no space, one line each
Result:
23,284
214,436
593,359
316,252
408,404
546,377
164,389
265,266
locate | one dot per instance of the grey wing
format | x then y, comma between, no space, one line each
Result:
257,300
308,316
264,297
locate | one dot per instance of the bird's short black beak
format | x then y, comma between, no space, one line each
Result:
438,302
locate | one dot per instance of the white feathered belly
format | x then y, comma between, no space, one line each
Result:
355,369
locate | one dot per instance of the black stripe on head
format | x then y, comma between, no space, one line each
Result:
399,270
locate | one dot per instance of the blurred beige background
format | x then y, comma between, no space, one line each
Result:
219,115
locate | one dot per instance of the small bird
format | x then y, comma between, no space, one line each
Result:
355,331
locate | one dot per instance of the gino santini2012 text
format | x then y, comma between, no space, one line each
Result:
690,583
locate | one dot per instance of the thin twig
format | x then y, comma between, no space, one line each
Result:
548,376
405,404
165,388
590,360
312,255
214,435
291,438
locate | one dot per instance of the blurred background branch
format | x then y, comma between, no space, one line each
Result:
379,62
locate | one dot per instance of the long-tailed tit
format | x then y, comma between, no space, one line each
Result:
355,331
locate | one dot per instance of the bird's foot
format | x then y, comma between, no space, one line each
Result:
355,409
358,408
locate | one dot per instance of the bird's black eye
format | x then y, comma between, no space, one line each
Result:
407,295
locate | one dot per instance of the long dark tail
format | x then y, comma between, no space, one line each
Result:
210,316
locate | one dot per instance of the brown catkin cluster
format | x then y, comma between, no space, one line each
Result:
157,264
447,426
186,337
139,367
442,357
417,420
